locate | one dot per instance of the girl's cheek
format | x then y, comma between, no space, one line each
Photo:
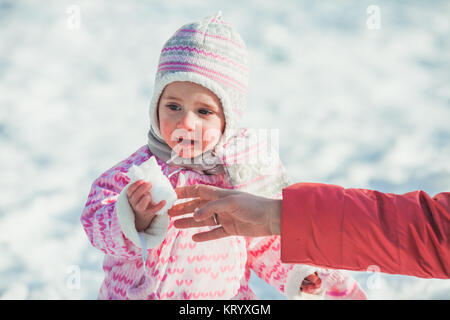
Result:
166,132
210,138
212,134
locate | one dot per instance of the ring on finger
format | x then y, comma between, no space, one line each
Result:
216,219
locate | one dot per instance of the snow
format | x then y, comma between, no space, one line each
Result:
161,187
354,107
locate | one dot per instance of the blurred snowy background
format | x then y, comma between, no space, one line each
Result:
356,106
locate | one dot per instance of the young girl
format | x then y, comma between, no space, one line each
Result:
198,100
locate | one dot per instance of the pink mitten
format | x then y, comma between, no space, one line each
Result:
340,286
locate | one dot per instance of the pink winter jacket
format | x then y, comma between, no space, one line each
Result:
178,268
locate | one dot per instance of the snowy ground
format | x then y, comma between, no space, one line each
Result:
355,107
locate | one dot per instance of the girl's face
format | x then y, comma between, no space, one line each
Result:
191,118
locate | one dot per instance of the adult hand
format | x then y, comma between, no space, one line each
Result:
237,213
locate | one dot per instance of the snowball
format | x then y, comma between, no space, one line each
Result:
161,188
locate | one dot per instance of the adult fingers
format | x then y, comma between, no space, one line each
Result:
214,234
185,207
187,192
223,205
186,223
202,191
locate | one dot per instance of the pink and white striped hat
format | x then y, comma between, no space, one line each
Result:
211,53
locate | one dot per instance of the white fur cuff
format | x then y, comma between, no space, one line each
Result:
153,236
294,281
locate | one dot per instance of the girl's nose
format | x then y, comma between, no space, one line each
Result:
189,121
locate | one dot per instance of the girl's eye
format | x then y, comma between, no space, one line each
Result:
173,107
204,112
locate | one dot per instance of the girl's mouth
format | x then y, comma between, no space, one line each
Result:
186,142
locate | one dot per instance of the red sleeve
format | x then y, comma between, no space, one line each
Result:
329,226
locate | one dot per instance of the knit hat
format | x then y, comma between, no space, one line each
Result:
211,53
